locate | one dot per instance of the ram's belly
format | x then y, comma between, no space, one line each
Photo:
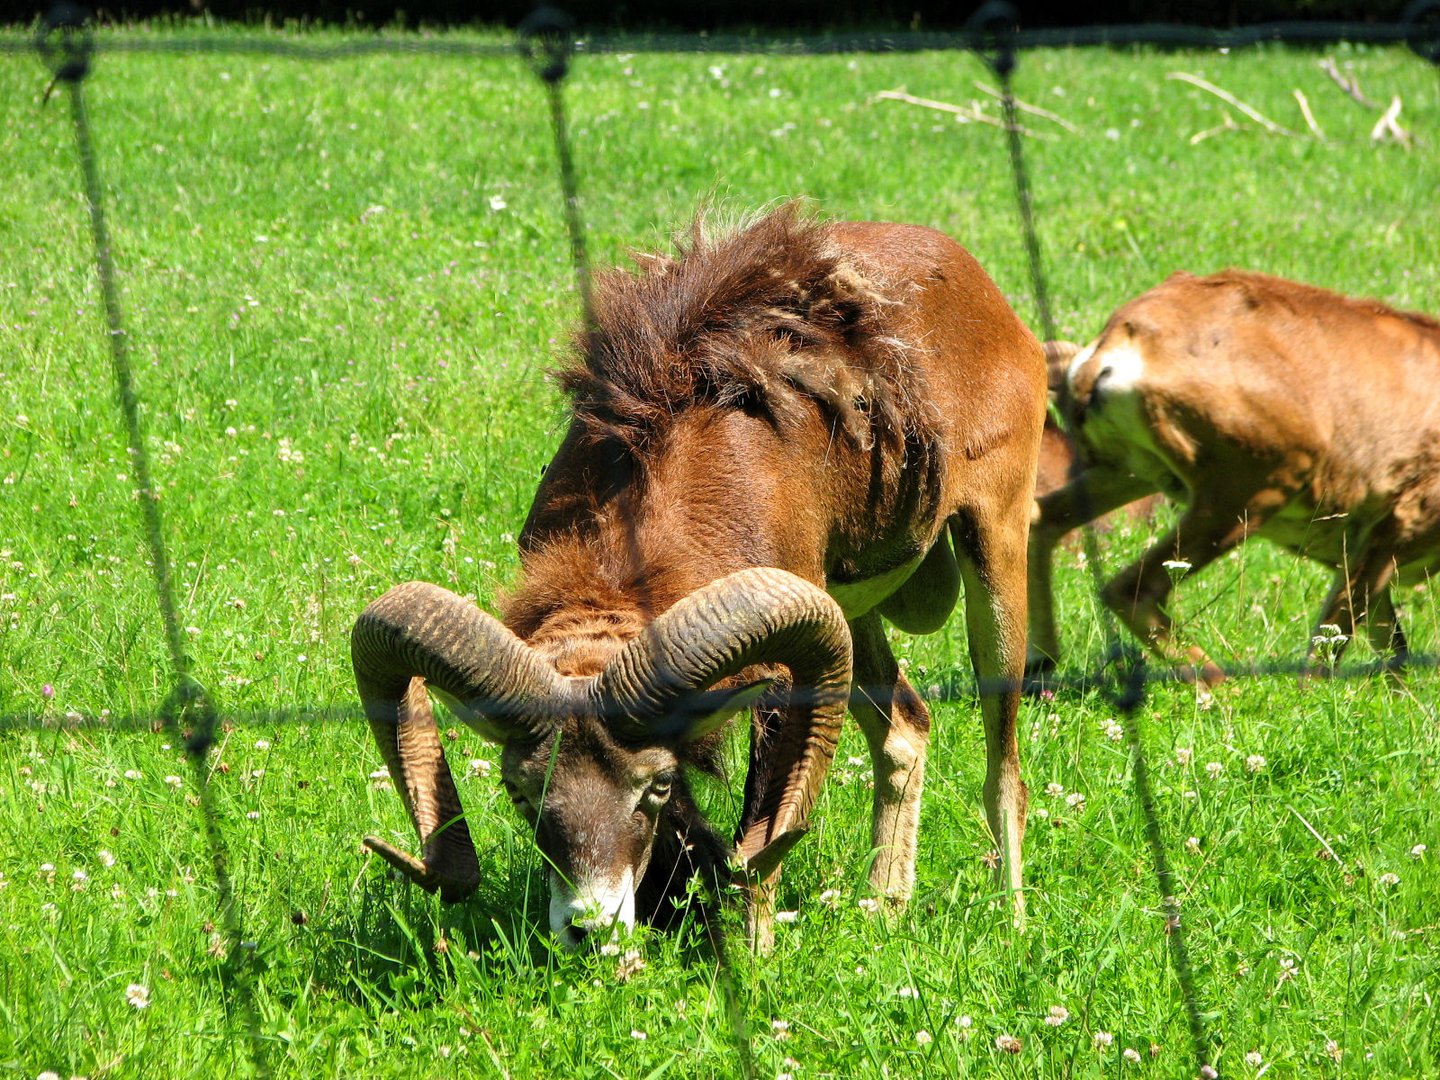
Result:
857,598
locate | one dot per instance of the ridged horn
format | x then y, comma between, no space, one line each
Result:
418,634
755,616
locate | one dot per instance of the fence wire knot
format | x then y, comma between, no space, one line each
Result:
547,37
65,42
996,24
1123,675
1422,29
190,700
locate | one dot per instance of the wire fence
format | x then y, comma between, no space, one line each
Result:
547,43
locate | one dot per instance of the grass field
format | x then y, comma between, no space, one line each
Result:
342,285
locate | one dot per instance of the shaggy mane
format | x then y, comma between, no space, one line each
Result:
772,317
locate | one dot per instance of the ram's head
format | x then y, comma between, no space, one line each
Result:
596,764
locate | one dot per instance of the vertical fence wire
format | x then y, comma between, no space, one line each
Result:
545,42
188,715
998,21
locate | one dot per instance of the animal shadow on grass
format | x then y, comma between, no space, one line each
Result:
400,946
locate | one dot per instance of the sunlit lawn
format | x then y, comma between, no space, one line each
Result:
342,283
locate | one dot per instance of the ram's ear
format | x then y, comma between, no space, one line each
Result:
711,710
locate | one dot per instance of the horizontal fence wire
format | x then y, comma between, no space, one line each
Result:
1421,31
949,686
67,44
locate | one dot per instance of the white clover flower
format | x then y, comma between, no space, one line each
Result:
1213,769
497,202
1184,755
174,781
1389,880
1113,730
638,1035
1054,790
868,903
908,992
1192,844
1254,763
780,1028
133,774
923,1037
1009,1043
253,815
1253,1059
1418,851
262,744
1057,1016
1102,1040
786,916
1131,1055
1076,801
106,859
630,965
138,995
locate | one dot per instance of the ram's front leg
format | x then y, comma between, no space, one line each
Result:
1360,594
991,552
1207,530
1096,491
896,724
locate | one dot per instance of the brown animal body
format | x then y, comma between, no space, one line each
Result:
773,434
1268,408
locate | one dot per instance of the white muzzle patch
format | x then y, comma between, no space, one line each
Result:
595,912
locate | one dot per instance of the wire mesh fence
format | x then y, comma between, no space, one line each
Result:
189,715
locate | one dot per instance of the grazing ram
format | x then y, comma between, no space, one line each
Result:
773,434
1268,408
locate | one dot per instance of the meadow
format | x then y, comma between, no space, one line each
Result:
343,283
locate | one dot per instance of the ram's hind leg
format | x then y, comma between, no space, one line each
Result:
991,552
896,724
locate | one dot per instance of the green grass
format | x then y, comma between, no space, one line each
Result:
342,283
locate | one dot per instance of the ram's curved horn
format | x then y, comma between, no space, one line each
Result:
754,616
419,634
1058,357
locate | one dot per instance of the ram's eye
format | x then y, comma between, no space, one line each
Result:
660,786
